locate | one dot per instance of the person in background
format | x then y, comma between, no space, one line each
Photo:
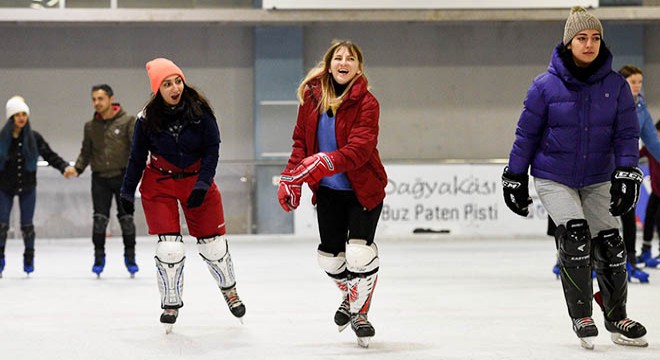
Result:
20,148
334,152
652,216
178,134
649,137
105,146
579,133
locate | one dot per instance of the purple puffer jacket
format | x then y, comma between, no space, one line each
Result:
576,133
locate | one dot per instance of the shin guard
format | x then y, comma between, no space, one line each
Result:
335,267
362,264
170,256
574,255
215,252
609,254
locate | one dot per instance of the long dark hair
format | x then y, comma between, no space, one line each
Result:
29,150
193,105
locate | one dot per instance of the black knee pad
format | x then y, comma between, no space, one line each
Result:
574,243
100,223
127,225
609,251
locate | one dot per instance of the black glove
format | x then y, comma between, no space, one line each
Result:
127,205
516,192
196,198
625,189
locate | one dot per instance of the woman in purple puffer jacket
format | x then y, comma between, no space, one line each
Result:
579,133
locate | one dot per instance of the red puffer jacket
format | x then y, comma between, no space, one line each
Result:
356,129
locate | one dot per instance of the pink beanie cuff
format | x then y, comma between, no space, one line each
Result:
159,69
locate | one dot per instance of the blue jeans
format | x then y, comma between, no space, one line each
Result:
26,201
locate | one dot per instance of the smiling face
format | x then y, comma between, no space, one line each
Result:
344,65
102,103
20,119
585,47
171,89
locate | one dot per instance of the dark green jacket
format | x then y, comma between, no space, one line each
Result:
107,144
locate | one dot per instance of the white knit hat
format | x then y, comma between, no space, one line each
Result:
15,105
578,20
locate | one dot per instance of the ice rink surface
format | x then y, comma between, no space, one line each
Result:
438,297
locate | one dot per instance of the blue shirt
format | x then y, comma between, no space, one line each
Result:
328,143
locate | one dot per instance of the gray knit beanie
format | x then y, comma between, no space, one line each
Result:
579,20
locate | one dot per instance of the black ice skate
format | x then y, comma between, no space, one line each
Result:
363,329
627,332
168,318
343,315
234,302
586,331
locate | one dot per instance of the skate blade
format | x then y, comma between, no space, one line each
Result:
341,328
132,275
364,341
168,328
587,342
620,339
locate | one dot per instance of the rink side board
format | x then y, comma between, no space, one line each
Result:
459,199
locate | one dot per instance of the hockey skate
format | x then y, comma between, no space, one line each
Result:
363,329
168,318
131,266
343,315
586,331
647,259
625,332
2,265
234,302
99,264
635,273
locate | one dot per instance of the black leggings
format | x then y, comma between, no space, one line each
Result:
341,217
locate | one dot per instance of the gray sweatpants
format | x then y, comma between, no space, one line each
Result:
564,203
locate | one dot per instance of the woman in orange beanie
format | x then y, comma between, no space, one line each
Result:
178,134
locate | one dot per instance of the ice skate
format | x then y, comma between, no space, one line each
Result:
28,261
2,265
627,332
363,329
99,264
131,266
647,259
586,331
556,270
234,302
168,318
343,315
638,274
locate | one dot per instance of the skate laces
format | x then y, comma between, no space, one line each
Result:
625,324
582,323
344,307
360,320
231,297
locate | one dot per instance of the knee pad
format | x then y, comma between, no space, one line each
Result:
574,243
361,258
334,266
215,252
213,249
127,225
170,249
100,223
609,251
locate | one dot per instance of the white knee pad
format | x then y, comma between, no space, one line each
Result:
333,265
170,256
215,252
360,257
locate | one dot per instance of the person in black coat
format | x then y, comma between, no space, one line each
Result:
20,147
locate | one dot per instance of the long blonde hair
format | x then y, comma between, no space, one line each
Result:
330,100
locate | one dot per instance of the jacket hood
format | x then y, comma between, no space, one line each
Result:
558,68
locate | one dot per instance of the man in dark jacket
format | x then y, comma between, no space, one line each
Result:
106,146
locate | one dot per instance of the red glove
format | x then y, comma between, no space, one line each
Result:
288,194
313,168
